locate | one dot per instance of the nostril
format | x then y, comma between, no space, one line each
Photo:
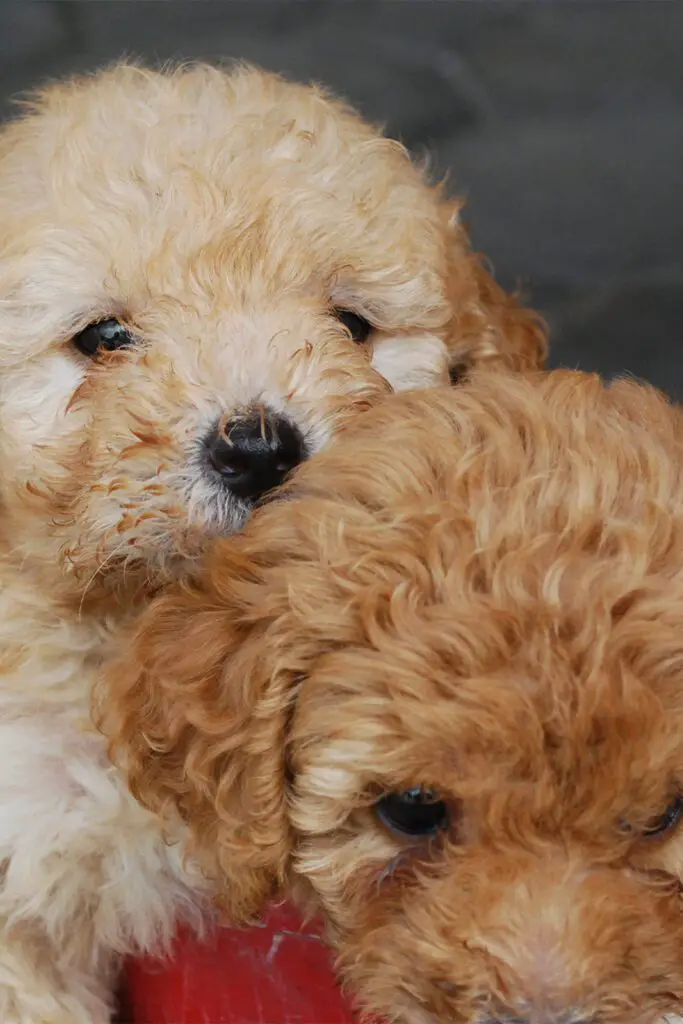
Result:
290,455
224,457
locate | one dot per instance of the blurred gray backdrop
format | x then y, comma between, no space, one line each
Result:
560,120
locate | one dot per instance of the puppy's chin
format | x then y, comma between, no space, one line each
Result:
212,509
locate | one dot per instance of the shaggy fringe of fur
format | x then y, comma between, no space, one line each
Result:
479,591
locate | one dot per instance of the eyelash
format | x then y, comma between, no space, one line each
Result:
666,822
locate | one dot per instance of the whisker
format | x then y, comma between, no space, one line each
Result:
103,564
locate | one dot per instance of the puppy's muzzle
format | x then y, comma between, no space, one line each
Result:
254,453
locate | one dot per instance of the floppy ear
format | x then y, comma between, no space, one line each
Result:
196,713
488,323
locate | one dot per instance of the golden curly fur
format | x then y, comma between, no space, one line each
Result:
227,221
479,592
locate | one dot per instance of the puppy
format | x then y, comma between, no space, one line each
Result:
438,695
203,276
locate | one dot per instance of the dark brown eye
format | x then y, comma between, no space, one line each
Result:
359,328
457,373
667,821
103,336
413,812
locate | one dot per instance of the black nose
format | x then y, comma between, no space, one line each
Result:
254,453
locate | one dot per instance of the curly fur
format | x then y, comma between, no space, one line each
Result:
237,212
221,216
479,591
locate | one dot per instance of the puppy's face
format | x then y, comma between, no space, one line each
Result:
490,819
443,700
487,741
202,276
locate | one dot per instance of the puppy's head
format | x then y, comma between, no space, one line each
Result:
439,692
202,275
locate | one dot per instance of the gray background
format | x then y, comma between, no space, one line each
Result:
562,122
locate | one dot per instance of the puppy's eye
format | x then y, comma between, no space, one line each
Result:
667,821
413,812
359,328
102,336
457,373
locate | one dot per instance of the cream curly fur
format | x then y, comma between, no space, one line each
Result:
476,591
221,217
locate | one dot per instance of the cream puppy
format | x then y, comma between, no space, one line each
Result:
203,275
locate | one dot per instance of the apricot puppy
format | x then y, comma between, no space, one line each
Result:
203,276
438,695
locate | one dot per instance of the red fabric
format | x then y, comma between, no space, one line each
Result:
278,972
